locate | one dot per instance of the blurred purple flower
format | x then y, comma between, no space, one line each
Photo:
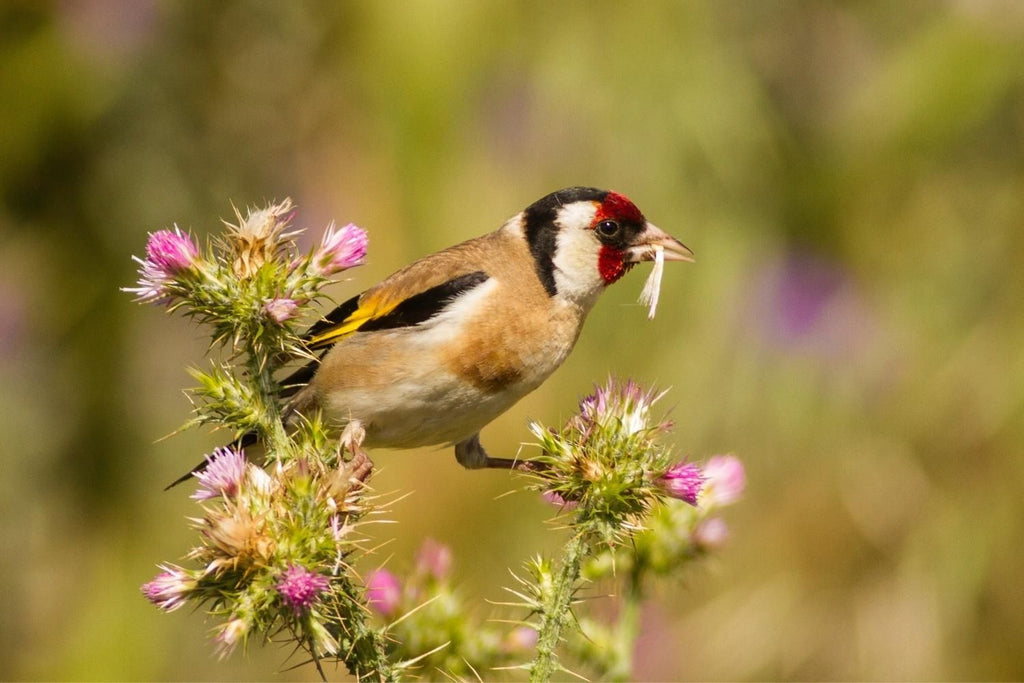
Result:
340,249
109,33
223,475
299,587
807,303
521,639
280,309
170,589
805,288
383,592
724,480
434,559
711,534
683,481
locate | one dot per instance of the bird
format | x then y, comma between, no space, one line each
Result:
438,350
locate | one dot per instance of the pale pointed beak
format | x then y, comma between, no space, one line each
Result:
652,237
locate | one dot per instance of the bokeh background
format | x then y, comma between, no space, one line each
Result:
850,175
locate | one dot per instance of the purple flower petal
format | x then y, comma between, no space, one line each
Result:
223,475
340,249
280,309
556,498
683,481
170,589
300,588
171,252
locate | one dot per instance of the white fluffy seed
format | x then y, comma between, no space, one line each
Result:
652,288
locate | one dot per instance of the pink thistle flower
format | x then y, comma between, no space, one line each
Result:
223,475
152,283
340,249
724,481
280,309
594,405
168,254
434,558
172,252
383,592
170,589
557,499
299,587
684,481
628,404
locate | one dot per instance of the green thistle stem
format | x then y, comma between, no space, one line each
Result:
627,629
274,432
363,648
557,606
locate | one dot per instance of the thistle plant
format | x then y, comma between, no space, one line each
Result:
631,511
277,541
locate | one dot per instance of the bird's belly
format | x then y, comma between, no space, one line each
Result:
419,411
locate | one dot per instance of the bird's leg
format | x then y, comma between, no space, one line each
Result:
352,438
471,454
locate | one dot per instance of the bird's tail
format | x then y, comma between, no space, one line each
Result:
244,441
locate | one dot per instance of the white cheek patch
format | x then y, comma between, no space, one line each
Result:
652,288
576,275
576,254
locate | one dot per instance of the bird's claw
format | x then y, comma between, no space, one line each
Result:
531,466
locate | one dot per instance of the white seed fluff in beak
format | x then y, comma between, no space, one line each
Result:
652,288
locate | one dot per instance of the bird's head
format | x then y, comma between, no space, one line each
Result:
583,239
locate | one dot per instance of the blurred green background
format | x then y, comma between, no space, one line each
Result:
850,176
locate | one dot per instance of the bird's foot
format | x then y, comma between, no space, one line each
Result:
516,464
353,436
359,465
471,454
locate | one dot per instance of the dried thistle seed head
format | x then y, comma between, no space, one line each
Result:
591,470
259,237
239,536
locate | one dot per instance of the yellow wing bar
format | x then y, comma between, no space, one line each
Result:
372,308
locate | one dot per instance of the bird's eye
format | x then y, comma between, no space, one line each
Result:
607,229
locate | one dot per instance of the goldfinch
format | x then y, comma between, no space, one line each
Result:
438,350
